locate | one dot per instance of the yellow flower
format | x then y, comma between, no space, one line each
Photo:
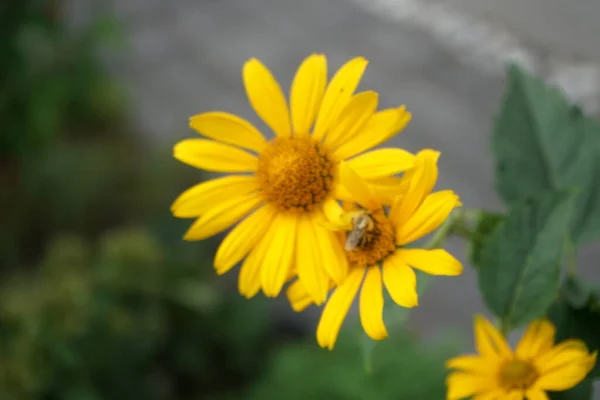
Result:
535,367
279,187
380,258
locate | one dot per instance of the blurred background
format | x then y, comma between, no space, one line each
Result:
100,298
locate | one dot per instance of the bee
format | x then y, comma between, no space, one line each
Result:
361,224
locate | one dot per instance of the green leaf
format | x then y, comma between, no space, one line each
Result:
520,263
542,143
485,225
578,316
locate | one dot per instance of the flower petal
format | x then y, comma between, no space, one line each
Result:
243,238
432,262
331,253
200,198
228,128
221,217
266,97
494,394
422,179
461,385
307,92
249,278
333,214
473,364
371,305
298,296
339,91
382,163
430,215
214,156
309,262
567,373
536,394
387,189
357,187
400,281
280,256
488,341
537,340
354,116
337,308
379,128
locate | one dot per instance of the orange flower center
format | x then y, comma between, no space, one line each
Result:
517,374
376,242
295,174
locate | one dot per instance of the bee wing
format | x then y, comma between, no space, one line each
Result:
353,239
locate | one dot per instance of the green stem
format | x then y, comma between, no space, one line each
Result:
440,236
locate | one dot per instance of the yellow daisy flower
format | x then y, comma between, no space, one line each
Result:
536,366
375,241
280,187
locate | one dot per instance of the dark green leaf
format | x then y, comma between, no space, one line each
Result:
520,263
542,143
485,225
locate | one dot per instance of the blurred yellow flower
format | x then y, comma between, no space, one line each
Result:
374,243
535,367
280,186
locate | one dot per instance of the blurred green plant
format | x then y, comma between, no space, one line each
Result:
403,368
51,78
121,320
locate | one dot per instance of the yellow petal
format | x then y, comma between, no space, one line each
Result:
433,262
516,394
357,187
432,213
266,97
337,308
339,91
298,296
489,341
333,213
228,128
249,278
564,371
214,156
400,281
200,198
461,385
221,217
371,305
494,394
331,253
242,239
473,364
307,92
382,163
279,258
387,189
537,340
536,394
353,117
421,180
379,128
309,263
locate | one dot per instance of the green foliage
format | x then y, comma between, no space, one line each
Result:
521,261
541,144
484,225
50,76
101,322
403,368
